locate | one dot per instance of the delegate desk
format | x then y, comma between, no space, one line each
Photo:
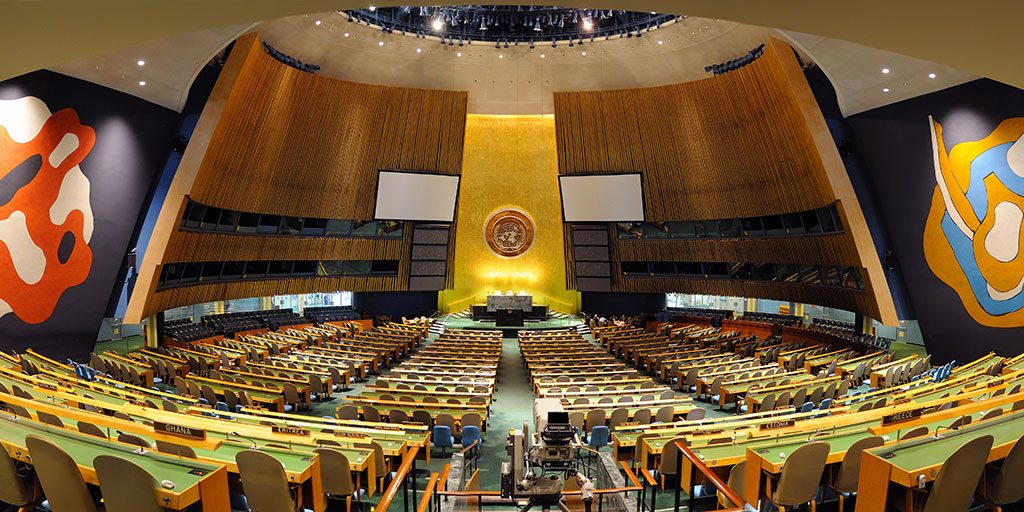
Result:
904,463
194,481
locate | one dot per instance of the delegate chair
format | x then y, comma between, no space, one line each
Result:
470,437
734,483
370,413
954,486
442,437
848,476
798,483
598,437
336,476
16,489
1003,485
397,416
59,476
49,419
126,487
422,417
348,412
264,482
90,429
175,449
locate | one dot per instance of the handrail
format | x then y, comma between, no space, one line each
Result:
630,474
442,483
712,477
428,493
398,479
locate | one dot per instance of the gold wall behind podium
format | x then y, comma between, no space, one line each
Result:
509,161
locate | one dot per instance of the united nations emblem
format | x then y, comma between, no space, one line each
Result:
509,232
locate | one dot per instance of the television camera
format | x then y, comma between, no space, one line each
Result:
537,469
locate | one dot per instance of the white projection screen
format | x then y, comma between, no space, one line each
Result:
415,196
602,197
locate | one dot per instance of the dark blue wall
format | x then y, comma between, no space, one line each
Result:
610,303
395,304
132,140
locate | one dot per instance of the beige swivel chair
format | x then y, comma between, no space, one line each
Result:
915,432
1003,484
665,414
618,417
696,414
397,416
49,419
446,420
642,416
735,484
59,476
174,449
15,489
90,429
471,419
956,482
126,487
336,475
347,412
264,483
422,417
370,413
594,418
801,474
291,396
848,476
577,419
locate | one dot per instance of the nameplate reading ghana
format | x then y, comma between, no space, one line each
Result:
771,425
901,417
292,431
178,430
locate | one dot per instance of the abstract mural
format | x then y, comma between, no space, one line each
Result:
973,236
46,220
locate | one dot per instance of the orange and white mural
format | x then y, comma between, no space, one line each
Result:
973,236
46,220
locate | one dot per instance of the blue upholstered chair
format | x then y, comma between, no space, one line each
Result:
442,437
471,436
599,437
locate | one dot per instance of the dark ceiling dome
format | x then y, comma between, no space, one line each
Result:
510,23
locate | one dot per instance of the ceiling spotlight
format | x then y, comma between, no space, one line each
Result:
143,63
380,43
931,75
885,89
542,55
346,34
661,42
371,8
584,54
885,71
438,24
588,24
142,82
458,54
501,56
419,50
317,22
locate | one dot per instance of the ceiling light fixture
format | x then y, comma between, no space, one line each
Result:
437,24
588,24
931,75
501,56
542,55
346,34
380,43
317,22
458,54
885,71
583,53
371,8
143,63
661,42
885,89
419,50
142,82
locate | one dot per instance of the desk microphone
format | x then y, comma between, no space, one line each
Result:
133,440
247,438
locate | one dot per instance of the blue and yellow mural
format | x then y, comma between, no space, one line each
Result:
973,235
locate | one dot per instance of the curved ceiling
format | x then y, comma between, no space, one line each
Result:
975,38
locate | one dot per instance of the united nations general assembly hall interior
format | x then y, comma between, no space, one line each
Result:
683,255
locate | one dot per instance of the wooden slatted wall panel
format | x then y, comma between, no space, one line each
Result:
295,143
734,145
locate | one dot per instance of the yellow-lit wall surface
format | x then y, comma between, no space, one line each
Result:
509,161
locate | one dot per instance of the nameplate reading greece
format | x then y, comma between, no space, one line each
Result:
179,430
901,417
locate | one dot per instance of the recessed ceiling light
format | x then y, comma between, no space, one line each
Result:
458,54
661,42
141,62
885,89
419,50
317,22
380,43
372,8
588,24
885,71
346,34
931,75
542,55
142,82
501,56
584,54
438,24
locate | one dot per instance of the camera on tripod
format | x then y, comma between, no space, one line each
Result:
554,455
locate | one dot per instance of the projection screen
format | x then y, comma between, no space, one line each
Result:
602,198
415,196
